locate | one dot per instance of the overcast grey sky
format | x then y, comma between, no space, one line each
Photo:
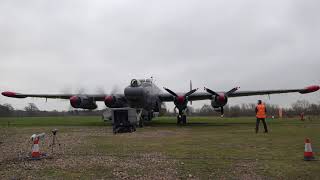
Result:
62,46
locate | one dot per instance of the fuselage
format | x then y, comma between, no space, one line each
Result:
143,94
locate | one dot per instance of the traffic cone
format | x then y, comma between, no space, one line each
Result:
35,149
308,154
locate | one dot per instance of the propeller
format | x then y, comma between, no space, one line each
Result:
100,90
232,91
221,96
180,100
82,91
69,90
112,99
185,95
170,92
226,94
115,90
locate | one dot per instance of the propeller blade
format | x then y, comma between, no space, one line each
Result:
222,111
100,90
115,90
190,92
82,91
211,92
232,91
171,92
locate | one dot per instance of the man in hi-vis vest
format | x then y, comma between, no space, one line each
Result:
261,114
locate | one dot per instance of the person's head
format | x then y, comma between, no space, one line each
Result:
259,102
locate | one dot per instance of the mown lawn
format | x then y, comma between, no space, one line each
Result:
206,148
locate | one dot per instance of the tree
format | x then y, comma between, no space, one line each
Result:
300,106
314,109
206,110
9,106
190,110
235,111
31,108
6,110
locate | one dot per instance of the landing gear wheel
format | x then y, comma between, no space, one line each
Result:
115,130
141,123
184,119
179,119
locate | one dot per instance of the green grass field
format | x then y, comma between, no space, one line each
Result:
206,148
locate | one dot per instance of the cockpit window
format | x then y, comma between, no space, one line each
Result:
135,83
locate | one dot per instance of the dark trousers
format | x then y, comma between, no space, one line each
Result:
264,124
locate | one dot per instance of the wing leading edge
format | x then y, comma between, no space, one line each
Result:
96,97
205,96
306,90
165,96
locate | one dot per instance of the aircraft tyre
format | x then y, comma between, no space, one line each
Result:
178,119
184,119
141,123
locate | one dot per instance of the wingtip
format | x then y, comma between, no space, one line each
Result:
310,89
9,94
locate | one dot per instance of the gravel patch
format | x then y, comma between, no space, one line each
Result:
66,162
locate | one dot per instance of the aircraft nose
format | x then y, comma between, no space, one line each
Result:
134,92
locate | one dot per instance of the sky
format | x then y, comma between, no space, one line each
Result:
97,46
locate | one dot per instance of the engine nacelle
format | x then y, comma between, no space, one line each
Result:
110,101
114,102
83,102
219,101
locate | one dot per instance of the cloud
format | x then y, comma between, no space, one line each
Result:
48,46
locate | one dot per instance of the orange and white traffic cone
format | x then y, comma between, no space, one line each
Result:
35,149
35,138
308,154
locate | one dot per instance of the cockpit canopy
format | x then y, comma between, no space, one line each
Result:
139,82
135,83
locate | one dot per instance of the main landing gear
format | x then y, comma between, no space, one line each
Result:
181,119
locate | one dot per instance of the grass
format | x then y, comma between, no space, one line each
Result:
208,147
51,121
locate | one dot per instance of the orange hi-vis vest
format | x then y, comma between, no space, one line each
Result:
261,111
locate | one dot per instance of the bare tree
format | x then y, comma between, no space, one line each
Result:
31,108
6,110
300,106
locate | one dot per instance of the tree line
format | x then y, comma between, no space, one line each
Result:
296,108
31,110
300,106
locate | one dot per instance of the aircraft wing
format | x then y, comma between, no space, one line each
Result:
204,95
168,97
306,90
96,97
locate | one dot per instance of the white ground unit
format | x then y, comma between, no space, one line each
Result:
122,119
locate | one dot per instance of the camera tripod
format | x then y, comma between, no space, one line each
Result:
55,140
